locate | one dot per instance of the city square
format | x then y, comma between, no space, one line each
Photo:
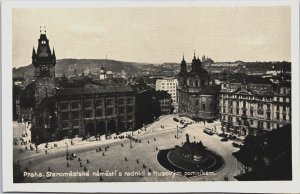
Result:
134,163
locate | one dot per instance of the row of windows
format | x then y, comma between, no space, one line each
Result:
99,102
99,113
169,83
260,107
251,122
76,123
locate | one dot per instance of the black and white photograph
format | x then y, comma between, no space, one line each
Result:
167,93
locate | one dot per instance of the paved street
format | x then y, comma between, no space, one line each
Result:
131,162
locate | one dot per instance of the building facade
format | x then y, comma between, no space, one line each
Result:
168,84
95,110
252,106
165,101
197,96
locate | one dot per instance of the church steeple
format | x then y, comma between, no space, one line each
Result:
183,70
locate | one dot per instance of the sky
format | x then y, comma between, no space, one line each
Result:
156,34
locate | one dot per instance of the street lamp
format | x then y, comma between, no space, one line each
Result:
131,136
67,150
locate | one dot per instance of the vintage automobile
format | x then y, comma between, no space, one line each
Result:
208,131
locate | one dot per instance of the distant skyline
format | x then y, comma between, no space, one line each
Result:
156,34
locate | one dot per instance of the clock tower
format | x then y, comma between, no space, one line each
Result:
43,59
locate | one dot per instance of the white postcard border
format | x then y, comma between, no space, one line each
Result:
218,186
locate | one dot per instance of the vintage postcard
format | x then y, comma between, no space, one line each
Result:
150,96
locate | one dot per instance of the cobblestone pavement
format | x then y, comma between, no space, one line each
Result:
124,164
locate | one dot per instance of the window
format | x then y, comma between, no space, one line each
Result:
268,115
75,115
203,107
99,112
129,118
88,113
99,102
121,101
109,102
121,110
284,117
268,125
65,124
277,115
129,109
76,123
65,116
64,105
129,100
251,122
75,105
197,102
109,111
88,103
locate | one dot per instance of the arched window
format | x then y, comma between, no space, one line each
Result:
197,102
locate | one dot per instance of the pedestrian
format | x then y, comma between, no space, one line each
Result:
137,161
85,169
80,164
87,161
79,159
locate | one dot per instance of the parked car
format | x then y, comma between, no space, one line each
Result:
224,139
236,145
222,134
231,136
208,131
175,119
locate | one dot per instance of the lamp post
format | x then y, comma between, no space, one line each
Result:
67,150
131,136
